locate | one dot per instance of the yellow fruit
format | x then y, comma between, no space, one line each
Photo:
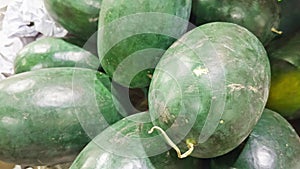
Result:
284,94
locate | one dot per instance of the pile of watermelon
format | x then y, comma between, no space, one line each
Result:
158,84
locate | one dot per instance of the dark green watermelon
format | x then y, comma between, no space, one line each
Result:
112,156
210,88
53,52
79,17
289,16
273,144
49,115
133,35
284,95
259,16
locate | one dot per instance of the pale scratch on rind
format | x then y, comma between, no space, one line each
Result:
236,87
227,47
251,88
199,45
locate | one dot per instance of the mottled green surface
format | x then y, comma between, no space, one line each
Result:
52,52
284,95
259,16
211,87
289,16
96,155
273,144
131,30
47,116
79,17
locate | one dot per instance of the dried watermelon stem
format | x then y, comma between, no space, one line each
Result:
173,145
276,31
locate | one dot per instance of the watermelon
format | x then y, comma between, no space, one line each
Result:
49,115
133,35
210,88
273,143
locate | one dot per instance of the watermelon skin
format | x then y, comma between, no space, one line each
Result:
97,155
78,17
258,16
289,17
286,49
133,35
210,88
273,143
49,115
53,52
284,95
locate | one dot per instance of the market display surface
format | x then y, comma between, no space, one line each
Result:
150,84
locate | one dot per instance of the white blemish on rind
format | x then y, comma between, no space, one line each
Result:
253,89
200,71
236,87
186,121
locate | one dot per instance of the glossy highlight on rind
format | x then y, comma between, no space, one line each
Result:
95,155
78,17
47,116
133,35
53,52
272,144
210,87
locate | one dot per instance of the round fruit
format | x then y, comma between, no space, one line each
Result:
49,115
210,88
273,143
79,17
133,35
97,155
290,13
285,85
259,16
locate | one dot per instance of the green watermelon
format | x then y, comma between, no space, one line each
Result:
210,88
53,52
49,115
259,16
79,17
112,155
273,143
284,95
133,35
